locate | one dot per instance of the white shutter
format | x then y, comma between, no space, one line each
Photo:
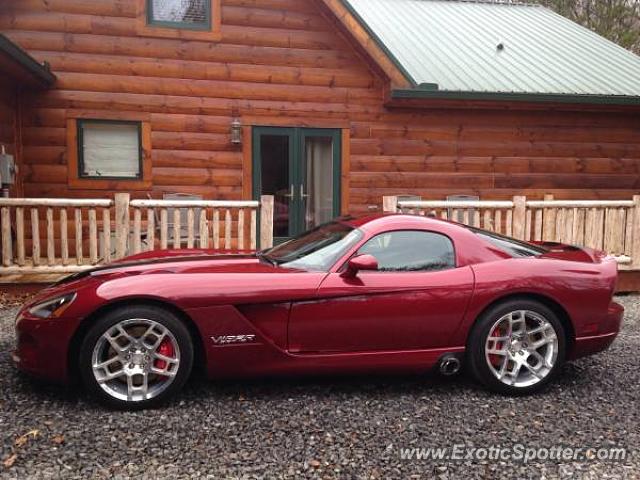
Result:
110,150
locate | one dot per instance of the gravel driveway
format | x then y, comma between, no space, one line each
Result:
325,428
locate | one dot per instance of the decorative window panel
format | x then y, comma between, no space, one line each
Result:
189,14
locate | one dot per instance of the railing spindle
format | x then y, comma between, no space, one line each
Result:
35,237
151,229
20,240
137,231
177,228
106,235
164,229
227,229
93,236
190,228
78,221
7,247
64,237
204,229
241,229
51,252
216,229
253,229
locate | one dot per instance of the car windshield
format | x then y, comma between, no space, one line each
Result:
317,249
513,247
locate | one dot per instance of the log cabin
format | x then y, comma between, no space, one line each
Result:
328,105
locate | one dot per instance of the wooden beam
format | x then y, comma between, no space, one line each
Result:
369,44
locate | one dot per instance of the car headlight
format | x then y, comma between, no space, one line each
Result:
53,308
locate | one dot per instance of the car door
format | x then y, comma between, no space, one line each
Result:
415,300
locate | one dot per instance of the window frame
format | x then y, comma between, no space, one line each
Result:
80,135
432,232
75,181
206,27
172,30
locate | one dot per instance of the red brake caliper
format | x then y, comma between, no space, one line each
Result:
166,349
496,360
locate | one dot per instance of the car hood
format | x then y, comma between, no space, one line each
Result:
181,261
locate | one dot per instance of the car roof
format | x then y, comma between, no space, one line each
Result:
381,221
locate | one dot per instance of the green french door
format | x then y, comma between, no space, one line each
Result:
300,167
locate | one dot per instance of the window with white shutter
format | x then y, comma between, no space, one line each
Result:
109,149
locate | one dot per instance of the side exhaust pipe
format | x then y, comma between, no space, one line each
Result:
449,365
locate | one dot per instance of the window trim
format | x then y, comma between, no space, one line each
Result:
80,134
206,27
367,240
172,30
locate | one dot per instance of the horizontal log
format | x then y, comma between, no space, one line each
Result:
196,159
54,202
179,50
197,176
487,204
285,18
449,163
116,8
165,68
580,204
211,88
192,105
280,35
193,204
191,141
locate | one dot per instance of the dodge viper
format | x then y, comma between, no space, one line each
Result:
383,293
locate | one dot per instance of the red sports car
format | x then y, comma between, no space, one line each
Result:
381,293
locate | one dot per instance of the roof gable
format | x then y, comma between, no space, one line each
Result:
498,48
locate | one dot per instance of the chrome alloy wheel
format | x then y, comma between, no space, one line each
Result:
135,360
522,348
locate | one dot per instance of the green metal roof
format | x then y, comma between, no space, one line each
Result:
494,50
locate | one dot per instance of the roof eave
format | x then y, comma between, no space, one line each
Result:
521,97
36,71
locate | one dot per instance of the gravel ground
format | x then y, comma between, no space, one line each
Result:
325,428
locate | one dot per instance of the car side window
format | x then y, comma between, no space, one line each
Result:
411,251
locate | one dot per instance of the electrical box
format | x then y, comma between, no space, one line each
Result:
7,169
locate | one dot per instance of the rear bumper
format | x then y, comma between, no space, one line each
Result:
592,344
42,347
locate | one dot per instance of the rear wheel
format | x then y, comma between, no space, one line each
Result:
517,347
136,357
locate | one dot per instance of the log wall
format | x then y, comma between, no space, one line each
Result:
284,61
8,116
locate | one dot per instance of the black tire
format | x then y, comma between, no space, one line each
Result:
156,314
477,360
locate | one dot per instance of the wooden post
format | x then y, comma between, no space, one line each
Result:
122,223
519,217
549,221
266,221
7,247
635,253
390,204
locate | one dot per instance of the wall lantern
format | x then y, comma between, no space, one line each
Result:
236,131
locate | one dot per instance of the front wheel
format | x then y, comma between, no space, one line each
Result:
517,347
136,357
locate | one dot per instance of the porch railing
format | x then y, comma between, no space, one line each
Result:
44,235
609,225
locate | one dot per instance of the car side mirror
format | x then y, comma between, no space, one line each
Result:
361,262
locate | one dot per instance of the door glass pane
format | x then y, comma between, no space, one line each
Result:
318,152
274,152
410,251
